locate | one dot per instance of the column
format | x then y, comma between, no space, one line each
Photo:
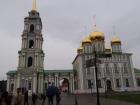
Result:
15,85
42,82
57,80
72,83
41,44
24,61
24,43
37,43
34,83
122,85
18,80
35,61
94,78
8,83
19,60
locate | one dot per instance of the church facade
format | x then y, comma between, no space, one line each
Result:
114,73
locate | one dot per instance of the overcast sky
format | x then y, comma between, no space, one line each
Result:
63,28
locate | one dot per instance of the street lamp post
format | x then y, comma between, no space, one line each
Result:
96,77
92,62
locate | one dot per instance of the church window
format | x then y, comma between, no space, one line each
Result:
127,83
32,28
12,87
88,71
138,82
125,68
116,68
99,83
31,43
89,84
107,69
29,85
117,83
30,61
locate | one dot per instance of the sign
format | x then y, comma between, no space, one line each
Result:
105,55
91,62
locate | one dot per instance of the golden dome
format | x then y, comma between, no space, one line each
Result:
97,35
80,49
115,40
86,40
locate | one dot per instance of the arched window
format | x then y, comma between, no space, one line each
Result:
30,61
31,28
117,83
138,82
116,68
31,43
127,83
99,83
12,87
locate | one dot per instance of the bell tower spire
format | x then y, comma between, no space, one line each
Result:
34,5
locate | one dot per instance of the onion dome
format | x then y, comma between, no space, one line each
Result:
80,49
97,35
86,40
115,40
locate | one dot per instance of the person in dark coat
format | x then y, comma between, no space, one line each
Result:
50,93
9,99
26,98
18,98
58,98
34,98
43,98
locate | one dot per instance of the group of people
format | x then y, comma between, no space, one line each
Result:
6,98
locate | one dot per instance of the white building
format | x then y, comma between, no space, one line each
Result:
115,73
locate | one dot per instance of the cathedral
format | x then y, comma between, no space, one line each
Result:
114,73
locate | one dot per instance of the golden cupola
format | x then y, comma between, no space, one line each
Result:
80,50
96,34
86,40
115,40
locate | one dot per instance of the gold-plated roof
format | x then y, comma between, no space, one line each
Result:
115,40
97,35
34,5
86,40
80,49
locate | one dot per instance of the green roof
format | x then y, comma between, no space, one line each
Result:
11,72
137,70
59,71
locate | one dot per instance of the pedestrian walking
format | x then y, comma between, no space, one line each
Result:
8,99
58,97
43,98
26,98
50,93
34,98
18,99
